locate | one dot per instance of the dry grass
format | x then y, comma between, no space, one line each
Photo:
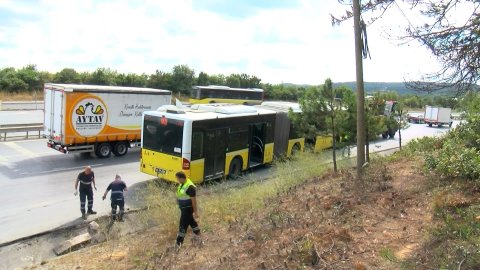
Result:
29,96
294,221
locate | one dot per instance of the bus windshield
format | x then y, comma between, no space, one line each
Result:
163,135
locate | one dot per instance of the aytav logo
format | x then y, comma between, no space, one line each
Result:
89,116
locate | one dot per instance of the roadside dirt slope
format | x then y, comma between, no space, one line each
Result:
321,224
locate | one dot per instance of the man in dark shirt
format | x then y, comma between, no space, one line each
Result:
187,201
117,199
86,179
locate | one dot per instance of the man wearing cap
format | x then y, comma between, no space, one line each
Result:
117,199
187,201
86,179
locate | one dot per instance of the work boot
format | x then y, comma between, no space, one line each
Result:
84,217
91,212
197,241
177,247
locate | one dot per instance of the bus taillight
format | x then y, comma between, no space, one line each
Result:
185,164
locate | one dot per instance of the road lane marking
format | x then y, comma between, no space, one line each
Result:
61,170
21,149
4,162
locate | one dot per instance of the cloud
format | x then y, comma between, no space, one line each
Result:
242,9
289,41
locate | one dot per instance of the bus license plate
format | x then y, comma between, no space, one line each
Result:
160,171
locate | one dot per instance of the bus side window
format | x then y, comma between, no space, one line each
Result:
197,145
237,138
195,93
269,132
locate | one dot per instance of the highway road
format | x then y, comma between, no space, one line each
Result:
37,183
21,117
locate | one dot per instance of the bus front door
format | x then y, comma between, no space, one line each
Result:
215,144
257,144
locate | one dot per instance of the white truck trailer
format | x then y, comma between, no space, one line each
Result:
438,116
97,119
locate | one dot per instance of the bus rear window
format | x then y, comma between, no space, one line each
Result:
163,135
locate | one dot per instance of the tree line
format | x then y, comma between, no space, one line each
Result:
179,80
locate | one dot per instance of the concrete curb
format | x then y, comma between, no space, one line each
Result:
65,228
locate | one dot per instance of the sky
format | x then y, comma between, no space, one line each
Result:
290,41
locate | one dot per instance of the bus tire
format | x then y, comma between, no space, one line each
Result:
235,169
104,150
296,148
120,149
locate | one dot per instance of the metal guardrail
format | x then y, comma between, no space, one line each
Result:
21,105
20,128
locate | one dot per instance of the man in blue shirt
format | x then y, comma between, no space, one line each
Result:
117,199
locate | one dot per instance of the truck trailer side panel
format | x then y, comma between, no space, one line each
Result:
101,117
437,115
444,115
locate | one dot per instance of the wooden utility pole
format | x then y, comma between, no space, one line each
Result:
360,92
334,133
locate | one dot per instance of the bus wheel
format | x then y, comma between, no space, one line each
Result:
235,168
120,149
296,148
103,150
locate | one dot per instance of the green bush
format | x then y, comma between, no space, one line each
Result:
424,145
455,160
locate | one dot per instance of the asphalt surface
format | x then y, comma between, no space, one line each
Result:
37,186
21,117
37,183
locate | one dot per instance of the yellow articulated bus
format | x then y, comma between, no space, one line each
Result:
296,142
225,94
209,141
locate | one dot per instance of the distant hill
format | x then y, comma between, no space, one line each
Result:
371,87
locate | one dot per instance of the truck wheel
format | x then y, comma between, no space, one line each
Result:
235,168
120,149
430,124
391,133
450,125
385,135
440,125
103,150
